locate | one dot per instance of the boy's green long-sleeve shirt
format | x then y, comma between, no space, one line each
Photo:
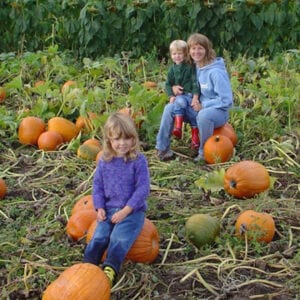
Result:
184,75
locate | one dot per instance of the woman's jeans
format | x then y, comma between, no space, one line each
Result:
207,120
163,138
182,107
116,238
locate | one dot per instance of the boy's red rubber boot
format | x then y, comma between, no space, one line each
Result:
195,138
177,131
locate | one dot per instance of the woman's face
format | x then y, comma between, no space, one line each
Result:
197,53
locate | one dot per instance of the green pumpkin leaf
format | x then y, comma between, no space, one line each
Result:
211,181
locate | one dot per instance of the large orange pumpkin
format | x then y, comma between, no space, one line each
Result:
3,188
85,202
49,140
245,179
82,281
65,127
30,129
228,131
258,226
79,223
146,247
217,149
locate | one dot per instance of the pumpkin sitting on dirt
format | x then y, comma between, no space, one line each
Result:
245,179
3,188
30,129
202,229
82,281
65,127
257,226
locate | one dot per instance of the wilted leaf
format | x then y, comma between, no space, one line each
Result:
212,181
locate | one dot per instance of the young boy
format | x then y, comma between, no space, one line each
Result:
182,74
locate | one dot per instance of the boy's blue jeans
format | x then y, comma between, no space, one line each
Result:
116,238
182,107
163,138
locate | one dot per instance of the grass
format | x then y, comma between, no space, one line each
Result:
44,186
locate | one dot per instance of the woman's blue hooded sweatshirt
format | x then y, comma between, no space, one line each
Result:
215,85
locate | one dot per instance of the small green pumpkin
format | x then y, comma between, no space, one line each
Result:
202,229
88,152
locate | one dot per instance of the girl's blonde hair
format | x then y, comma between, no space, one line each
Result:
119,125
201,39
179,45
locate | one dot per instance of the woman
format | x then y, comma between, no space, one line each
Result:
216,95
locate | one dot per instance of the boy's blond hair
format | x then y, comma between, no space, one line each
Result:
119,125
179,45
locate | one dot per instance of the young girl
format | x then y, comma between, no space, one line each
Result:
121,186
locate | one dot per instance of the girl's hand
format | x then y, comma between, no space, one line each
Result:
101,214
177,89
121,214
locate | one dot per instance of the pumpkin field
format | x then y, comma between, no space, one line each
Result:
219,254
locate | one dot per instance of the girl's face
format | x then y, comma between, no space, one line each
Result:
121,145
177,56
197,53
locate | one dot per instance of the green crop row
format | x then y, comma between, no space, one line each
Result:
105,28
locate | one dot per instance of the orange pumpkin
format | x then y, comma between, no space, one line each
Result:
217,149
88,152
85,202
258,226
65,127
228,131
86,123
3,188
150,84
67,85
2,94
39,83
79,223
50,140
146,247
82,281
30,129
99,155
245,179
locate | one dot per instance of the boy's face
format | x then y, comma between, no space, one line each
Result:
177,56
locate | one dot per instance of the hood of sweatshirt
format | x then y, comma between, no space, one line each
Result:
215,85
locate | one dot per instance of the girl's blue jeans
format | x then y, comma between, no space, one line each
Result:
116,238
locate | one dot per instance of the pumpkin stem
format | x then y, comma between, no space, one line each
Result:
232,184
217,139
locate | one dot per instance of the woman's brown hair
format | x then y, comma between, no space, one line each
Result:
201,39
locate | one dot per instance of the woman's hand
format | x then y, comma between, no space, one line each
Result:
177,89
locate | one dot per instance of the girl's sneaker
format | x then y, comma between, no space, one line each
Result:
111,274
